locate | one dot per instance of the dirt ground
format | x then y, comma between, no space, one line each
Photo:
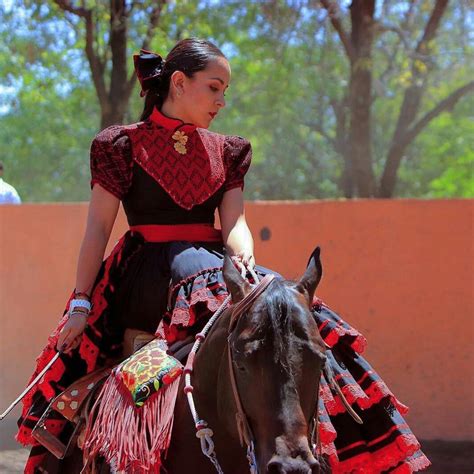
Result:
447,458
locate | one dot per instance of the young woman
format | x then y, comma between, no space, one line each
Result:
164,275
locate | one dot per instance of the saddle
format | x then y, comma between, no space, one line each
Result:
75,402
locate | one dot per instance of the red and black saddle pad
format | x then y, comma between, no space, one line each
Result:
69,405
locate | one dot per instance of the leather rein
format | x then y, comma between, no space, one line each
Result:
243,427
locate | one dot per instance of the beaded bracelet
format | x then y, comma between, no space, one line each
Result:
75,303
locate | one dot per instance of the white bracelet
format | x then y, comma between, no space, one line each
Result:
79,304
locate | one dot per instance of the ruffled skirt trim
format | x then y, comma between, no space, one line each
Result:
195,299
101,341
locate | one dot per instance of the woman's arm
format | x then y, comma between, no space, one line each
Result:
103,210
235,231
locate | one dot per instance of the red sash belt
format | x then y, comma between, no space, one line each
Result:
187,232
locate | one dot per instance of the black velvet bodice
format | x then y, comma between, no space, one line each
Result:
147,202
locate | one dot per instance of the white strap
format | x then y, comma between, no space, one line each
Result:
76,303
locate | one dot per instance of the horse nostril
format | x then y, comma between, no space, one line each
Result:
278,465
314,465
275,467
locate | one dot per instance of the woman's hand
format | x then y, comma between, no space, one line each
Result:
235,231
244,257
71,334
103,210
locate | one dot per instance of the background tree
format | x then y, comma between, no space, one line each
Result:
357,102
290,93
105,32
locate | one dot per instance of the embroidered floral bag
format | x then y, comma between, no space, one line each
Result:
133,414
147,370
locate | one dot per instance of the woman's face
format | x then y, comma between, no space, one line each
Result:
200,98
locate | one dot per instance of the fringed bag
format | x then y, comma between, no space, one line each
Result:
132,418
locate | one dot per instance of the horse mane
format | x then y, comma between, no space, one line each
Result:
276,324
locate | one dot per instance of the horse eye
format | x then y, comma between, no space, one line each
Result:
240,367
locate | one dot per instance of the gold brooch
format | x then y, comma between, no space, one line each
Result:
181,140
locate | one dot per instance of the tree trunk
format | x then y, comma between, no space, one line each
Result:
113,116
360,97
399,146
411,102
114,100
346,183
118,95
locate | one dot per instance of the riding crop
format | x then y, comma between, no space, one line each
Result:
31,385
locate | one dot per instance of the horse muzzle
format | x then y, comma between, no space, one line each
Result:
290,465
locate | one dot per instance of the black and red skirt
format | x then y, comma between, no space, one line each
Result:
172,288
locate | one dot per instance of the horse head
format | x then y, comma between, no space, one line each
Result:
276,355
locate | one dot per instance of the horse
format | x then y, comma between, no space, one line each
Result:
255,383
276,354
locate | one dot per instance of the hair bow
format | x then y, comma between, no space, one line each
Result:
148,66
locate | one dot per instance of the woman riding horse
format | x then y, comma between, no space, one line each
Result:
165,275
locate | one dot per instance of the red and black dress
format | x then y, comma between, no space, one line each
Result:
164,276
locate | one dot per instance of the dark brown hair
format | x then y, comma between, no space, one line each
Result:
190,55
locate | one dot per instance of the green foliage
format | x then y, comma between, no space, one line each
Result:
45,144
441,161
289,68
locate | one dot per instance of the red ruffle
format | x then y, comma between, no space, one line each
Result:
354,394
401,449
211,292
327,434
359,342
413,465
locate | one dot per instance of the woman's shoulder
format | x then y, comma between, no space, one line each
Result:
110,160
237,141
111,134
232,141
112,144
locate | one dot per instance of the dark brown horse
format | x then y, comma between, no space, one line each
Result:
277,355
275,352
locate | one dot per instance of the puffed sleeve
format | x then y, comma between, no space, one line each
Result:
237,158
111,161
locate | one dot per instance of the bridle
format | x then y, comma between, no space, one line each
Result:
203,432
243,427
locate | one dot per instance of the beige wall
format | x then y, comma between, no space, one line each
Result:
400,271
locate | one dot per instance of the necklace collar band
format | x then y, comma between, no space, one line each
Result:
170,123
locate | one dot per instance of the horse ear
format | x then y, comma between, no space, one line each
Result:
312,276
236,285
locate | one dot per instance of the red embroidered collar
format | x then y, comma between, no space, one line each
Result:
185,160
171,123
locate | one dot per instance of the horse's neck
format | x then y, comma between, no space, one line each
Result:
211,353
211,374
211,389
